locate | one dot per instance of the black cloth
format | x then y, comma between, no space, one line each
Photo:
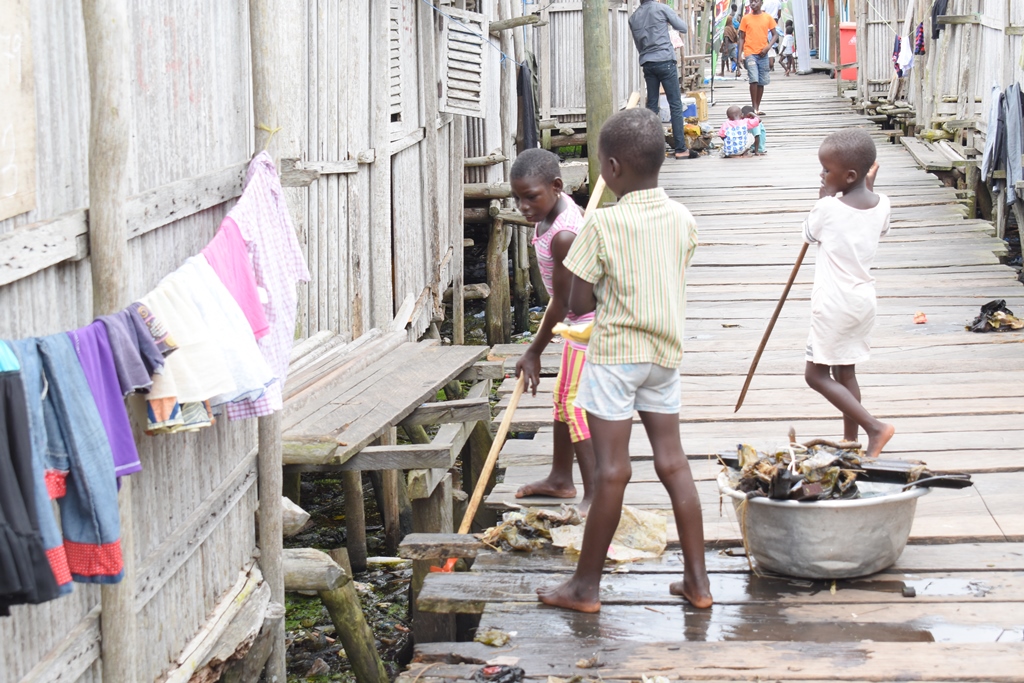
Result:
938,10
527,109
25,574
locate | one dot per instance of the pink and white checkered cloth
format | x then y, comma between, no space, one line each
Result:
262,217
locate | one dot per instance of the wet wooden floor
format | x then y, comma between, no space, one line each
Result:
956,398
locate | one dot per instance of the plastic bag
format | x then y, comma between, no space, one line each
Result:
640,535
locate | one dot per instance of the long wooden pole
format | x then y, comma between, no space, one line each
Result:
597,67
277,40
771,325
108,44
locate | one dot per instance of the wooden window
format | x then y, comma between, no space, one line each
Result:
462,57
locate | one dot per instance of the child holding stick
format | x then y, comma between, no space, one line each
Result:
629,263
537,188
846,230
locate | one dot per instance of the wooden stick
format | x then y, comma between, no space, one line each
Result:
492,456
771,326
599,186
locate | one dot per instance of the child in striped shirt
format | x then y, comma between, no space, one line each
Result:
537,189
629,263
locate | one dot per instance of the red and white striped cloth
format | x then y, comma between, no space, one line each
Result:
262,217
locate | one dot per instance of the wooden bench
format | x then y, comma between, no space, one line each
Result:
926,156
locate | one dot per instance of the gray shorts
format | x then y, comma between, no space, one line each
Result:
757,69
613,392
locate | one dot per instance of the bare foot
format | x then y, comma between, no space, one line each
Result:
877,440
547,487
584,506
698,596
570,596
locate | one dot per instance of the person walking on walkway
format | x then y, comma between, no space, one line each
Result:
757,37
649,25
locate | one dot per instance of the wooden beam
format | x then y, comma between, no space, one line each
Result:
473,292
489,160
355,634
495,27
445,412
483,370
355,519
32,248
307,569
973,19
108,46
163,205
426,546
73,656
407,141
392,457
486,190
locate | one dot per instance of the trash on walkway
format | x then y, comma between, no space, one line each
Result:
920,318
996,317
494,637
640,535
817,471
498,673
526,530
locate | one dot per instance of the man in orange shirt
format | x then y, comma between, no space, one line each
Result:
757,36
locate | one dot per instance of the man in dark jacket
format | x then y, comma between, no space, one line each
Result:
650,24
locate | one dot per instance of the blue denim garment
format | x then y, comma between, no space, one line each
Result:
76,443
659,75
32,380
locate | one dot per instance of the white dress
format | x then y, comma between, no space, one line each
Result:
843,297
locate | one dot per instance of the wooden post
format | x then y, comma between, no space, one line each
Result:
480,441
391,511
431,197
277,32
507,94
381,284
350,625
498,317
431,515
108,45
521,299
597,65
355,519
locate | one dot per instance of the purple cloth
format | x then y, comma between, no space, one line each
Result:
132,372
92,345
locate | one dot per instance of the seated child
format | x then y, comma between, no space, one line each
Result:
537,189
846,230
758,132
789,50
736,133
629,263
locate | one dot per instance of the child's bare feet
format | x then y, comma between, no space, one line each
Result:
697,593
570,595
551,486
584,506
878,439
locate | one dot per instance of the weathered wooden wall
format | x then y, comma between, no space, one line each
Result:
191,105
370,237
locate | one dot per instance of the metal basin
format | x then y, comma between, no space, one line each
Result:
832,539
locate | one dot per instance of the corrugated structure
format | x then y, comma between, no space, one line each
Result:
381,223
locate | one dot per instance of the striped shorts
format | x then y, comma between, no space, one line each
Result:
566,384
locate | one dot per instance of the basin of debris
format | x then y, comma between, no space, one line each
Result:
804,514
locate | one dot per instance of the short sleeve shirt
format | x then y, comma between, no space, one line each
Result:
636,254
755,28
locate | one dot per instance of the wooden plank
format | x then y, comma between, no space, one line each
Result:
868,661
162,205
468,592
73,656
391,457
482,370
464,410
406,141
426,546
40,245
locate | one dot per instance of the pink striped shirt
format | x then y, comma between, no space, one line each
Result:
570,219
262,217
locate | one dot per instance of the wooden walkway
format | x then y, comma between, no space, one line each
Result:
954,396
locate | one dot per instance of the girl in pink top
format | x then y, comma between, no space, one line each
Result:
537,188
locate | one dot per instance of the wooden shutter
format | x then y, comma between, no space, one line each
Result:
395,62
462,77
